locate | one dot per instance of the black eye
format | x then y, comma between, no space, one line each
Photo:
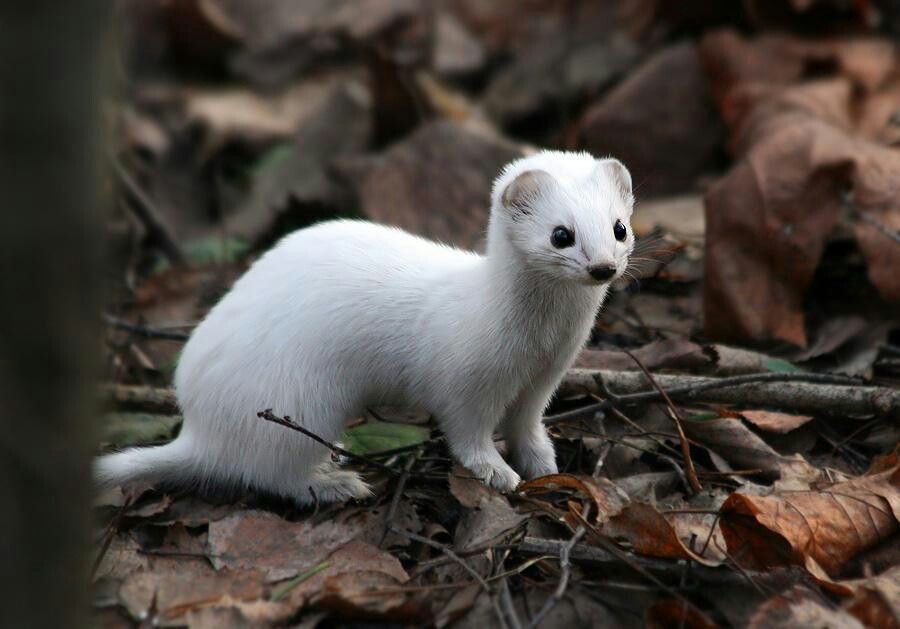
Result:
562,238
619,231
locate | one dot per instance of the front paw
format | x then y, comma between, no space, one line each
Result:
535,460
500,476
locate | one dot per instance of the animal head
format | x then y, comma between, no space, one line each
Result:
565,214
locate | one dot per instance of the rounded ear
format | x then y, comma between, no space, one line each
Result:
520,194
619,175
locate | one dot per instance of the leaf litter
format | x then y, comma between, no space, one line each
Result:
770,247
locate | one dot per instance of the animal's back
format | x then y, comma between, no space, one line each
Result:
340,301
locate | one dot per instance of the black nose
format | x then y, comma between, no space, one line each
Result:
602,271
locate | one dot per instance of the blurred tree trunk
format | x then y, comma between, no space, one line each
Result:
51,81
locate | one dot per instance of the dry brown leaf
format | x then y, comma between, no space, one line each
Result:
801,149
281,549
487,523
660,121
800,607
675,353
820,530
175,589
458,162
732,440
606,500
468,490
355,556
771,421
650,533
367,594
876,600
229,613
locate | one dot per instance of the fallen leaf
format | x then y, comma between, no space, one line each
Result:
771,421
648,532
660,121
458,162
228,613
876,600
192,584
487,523
802,167
369,595
801,607
354,556
605,498
375,436
675,353
291,185
280,549
468,490
458,605
731,439
820,530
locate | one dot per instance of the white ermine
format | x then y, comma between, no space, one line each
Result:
346,315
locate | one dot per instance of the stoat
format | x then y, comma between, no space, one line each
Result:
345,315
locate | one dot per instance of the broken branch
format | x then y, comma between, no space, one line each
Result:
800,392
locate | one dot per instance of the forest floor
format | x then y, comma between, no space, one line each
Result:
727,442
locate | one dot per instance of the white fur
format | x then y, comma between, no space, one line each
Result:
347,314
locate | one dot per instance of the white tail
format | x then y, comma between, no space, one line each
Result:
151,465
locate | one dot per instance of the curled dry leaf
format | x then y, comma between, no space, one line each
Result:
611,514
650,533
805,159
731,439
820,530
605,499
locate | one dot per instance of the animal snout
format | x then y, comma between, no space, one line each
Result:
601,272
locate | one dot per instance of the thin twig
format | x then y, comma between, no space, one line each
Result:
398,494
445,550
565,567
676,418
506,600
285,421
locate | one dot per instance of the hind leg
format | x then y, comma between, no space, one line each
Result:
302,469
331,484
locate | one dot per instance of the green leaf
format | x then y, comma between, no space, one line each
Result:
378,436
128,429
210,250
272,158
279,593
777,364
215,249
